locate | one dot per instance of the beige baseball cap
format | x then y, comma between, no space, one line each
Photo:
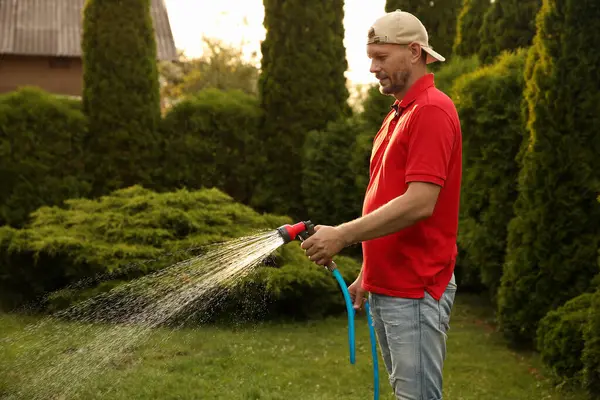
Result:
401,27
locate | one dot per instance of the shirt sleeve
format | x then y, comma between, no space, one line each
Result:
430,146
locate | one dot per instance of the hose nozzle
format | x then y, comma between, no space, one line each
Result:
302,230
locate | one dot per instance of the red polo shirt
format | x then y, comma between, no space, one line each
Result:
422,141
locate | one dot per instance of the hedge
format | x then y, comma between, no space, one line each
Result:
560,338
591,351
329,188
489,105
554,237
211,139
80,252
42,155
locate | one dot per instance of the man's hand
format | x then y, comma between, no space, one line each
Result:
326,242
357,293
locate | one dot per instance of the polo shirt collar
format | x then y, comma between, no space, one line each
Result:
422,84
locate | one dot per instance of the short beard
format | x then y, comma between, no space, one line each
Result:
397,84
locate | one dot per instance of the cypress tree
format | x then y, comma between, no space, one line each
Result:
507,25
302,87
468,24
554,236
121,91
439,18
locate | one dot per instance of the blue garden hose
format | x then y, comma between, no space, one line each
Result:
303,230
351,341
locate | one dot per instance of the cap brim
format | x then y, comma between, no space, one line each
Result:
433,55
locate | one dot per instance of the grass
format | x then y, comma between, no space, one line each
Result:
274,361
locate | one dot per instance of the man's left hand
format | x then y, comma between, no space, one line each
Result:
326,242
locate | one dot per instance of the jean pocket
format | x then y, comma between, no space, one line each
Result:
395,311
446,303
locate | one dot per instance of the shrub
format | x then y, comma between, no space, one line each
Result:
121,92
489,104
591,351
560,338
302,87
92,246
554,236
41,153
211,140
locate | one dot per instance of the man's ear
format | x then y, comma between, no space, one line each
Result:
416,53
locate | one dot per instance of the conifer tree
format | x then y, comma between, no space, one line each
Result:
553,239
121,91
468,24
302,88
507,25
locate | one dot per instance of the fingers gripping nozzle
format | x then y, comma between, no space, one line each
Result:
301,231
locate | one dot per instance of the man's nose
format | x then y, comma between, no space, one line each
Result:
374,67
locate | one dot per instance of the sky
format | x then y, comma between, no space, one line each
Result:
240,23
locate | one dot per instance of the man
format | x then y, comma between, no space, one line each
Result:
410,214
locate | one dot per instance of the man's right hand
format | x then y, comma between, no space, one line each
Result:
357,293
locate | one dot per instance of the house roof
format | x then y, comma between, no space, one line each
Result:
54,28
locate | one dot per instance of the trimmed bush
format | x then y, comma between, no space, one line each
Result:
121,92
92,246
591,351
42,159
554,237
489,105
302,87
212,140
560,339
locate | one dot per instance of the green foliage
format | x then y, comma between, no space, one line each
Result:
560,338
116,235
591,351
121,92
302,87
468,25
452,70
92,246
489,105
507,25
212,140
329,183
220,66
439,18
554,236
41,153
375,107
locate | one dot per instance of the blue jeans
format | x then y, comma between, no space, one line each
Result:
412,337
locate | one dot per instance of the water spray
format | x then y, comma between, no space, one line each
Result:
302,231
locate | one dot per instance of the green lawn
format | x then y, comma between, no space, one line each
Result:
274,361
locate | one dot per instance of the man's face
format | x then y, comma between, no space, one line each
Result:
391,64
